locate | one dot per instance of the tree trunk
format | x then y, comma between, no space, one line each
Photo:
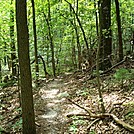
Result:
51,40
133,45
96,16
119,30
105,33
0,72
132,51
77,37
35,42
81,27
44,66
74,55
98,79
28,116
13,49
48,21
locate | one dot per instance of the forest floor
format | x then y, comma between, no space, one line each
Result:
61,105
53,106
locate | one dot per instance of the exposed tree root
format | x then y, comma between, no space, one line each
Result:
102,116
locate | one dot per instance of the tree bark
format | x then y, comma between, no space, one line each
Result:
77,37
28,116
35,42
119,30
48,21
132,36
96,16
12,44
44,65
105,33
0,71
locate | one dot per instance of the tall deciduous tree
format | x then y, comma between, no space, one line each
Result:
35,42
51,39
105,33
0,71
48,21
25,71
77,37
119,30
12,42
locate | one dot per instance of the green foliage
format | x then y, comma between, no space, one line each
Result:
1,129
73,128
92,132
75,124
3,85
123,74
17,125
83,92
62,29
7,84
130,114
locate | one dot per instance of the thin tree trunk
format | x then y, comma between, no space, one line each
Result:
51,39
97,24
77,37
119,30
74,54
35,42
132,51
44,66
48,21
99,85
133,44
13,49
28,116
98,77
81,27
0,72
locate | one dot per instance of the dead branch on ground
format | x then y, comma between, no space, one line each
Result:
102,116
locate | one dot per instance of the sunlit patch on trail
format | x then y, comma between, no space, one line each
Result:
48,94
50,114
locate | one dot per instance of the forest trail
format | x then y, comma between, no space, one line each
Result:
52,105
51,108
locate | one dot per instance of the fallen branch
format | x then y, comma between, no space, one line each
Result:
102,116
122,123
119,63
81,107
90,70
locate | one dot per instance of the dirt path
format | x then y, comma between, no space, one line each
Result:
51,108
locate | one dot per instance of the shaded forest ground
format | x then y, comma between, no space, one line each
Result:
52,105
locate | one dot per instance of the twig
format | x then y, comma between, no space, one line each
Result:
81,107
88,128
70,115
16,117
